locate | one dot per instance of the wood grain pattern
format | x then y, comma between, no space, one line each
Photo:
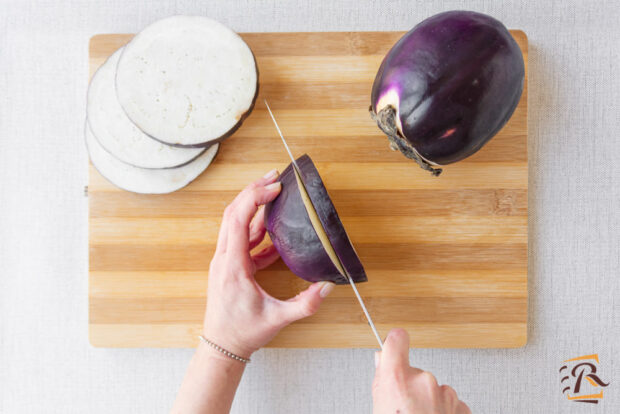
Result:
446,257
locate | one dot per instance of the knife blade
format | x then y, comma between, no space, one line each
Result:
288,150
357,294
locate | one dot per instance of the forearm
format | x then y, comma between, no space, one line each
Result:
240,316
210,383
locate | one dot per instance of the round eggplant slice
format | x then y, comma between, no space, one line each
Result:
296,230
187,81
121,137
143,180
330,221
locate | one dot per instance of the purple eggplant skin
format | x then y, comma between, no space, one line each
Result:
330,220
291,232
457,77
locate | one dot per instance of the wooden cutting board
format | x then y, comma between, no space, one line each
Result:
446,257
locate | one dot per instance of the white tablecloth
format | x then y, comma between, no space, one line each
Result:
46,362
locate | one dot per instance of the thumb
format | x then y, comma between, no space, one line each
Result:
395,353
307,302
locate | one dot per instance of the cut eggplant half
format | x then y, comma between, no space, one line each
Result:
121,137
187,81
143,180
296,229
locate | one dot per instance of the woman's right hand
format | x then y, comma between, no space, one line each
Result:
400,388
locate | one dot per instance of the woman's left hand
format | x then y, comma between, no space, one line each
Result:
241,317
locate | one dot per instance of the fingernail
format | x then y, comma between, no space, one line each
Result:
376,360
271,174
326,289
273,186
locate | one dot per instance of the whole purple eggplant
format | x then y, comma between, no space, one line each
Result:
447,87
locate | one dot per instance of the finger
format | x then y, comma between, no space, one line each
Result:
245,207
395,353
306,303
449,397
257,228
462,408
268,178
265,257
222,240
426,380
449,392
222,236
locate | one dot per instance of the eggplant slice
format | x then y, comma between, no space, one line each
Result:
121,137
330,220
187,81
297,229
143,180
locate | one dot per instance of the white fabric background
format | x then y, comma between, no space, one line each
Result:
46,362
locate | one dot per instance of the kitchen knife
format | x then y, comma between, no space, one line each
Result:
357,294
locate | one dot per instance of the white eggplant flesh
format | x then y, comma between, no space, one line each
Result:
144,180
187,81
121,137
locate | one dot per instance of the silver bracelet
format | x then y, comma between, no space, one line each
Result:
223,351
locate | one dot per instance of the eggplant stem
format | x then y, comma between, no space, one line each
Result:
386,120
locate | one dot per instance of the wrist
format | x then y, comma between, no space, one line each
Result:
227,343
207,353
